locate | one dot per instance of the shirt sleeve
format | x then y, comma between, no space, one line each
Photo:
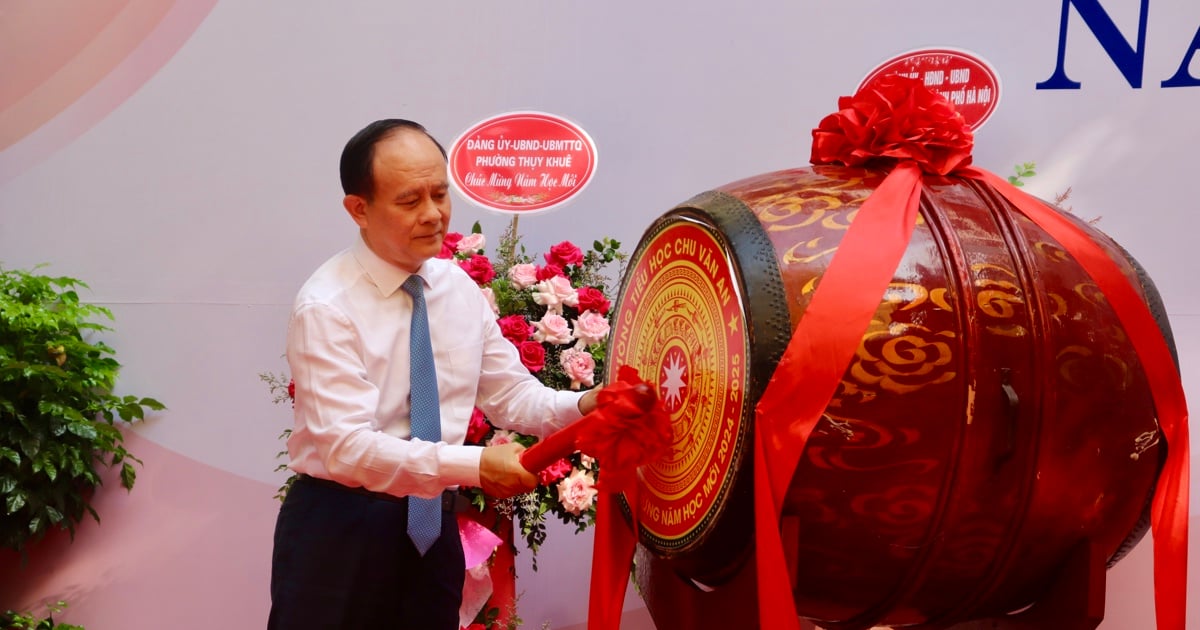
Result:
336,430
513,398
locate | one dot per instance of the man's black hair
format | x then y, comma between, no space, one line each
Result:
359,154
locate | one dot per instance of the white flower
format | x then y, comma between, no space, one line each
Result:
577,491
579,366
552,328
523,275
591,327
554,293
471,244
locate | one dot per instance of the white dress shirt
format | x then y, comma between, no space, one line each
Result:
347,348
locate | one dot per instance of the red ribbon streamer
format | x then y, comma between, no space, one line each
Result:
628,429
830,331
817,356
1169,511
612,556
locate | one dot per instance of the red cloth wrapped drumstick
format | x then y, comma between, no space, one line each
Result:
629,428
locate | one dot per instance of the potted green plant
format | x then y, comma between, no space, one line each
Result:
28,621
58,411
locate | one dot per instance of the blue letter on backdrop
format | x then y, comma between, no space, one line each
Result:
1127,58
1182,77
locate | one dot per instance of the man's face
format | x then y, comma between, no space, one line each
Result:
406,219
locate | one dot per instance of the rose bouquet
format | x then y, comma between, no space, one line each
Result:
556,312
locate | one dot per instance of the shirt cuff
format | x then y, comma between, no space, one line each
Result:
459,465
566,405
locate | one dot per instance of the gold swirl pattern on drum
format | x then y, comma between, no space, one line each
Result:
809,287
973,545
897,507
846,182
794,255
813,505
905,295
909,295
996,298
1051,252
795,214
1081,366
1091,293
786,211
903,358
1058,304
857,437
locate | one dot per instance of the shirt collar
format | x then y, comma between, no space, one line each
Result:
384,275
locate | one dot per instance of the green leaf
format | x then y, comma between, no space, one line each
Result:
128,475
152,404
15,502
10,455
83,430
50,470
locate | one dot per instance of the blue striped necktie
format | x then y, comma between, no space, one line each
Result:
424,515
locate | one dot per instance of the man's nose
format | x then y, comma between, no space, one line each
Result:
430,210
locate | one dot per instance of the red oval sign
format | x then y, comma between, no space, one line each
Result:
522,161
965,79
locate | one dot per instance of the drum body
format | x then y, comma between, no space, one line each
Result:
994,417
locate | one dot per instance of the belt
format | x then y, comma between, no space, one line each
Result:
452,501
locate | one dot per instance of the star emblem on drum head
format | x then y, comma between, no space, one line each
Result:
673,381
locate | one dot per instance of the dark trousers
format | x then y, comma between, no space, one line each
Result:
344,561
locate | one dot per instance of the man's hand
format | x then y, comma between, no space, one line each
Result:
587,402
501,474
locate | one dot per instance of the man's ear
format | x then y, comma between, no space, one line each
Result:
357,207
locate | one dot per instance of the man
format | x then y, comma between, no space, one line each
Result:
343,557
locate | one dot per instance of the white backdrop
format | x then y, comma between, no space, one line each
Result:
194,187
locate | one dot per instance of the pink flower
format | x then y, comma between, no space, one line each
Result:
533,355
549,271
577,492
479,268
555,293
592,299
563,254
523,275
552,329
449,244
579,366
478,427
554,472
591,327
471,244
502,436
515,328
490,296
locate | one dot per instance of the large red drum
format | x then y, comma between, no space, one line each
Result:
994,419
